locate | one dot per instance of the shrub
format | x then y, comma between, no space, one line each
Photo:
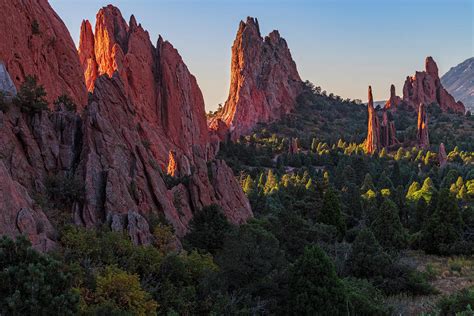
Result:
32,97
66,102
208,229
457,303
32,283
35,28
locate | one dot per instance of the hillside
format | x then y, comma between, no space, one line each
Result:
459,81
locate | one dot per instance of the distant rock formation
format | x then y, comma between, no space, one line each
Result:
394,100
372,143
264,81
442,156
293,146
422,130
425,87
34,41
388,134
459,81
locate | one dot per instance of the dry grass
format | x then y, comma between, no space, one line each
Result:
447,274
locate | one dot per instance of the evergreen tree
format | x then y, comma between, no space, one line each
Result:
387,227
31,97
367,259
32,283
444,226
207,229
330,213
314,286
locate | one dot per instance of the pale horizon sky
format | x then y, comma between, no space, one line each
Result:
341,45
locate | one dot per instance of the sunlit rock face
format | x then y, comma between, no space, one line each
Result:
422,127
34,41
264,81
425,87
167,100
394,101
372,143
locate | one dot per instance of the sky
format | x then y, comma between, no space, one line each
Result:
341,45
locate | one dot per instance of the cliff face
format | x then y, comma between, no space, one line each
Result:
425,87
146,112
264,81
168,102
40,45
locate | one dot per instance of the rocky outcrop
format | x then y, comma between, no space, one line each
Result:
293,146
372,142
394,100
425,87
264,81
39,44
388,134
167,100
142,109
17,215
422,127
442,156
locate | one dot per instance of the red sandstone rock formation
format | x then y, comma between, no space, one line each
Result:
264,80
425,87
388,135
394,100
442,156
34,41
293,146
168,102
119,147
422,132
372,143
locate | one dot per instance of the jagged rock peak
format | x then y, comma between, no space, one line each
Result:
425,87
430,67
34,41
372,143
264,82
394,101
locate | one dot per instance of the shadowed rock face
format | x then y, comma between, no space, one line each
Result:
264,81
442,156
422,132
145,108
40,45
425,87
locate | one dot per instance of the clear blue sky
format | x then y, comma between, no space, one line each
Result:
341,45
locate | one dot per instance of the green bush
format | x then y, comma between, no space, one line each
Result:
32,283
457,303
31,97
67,102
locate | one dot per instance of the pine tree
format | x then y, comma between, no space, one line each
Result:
444,226
387,226
330,213
314,287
